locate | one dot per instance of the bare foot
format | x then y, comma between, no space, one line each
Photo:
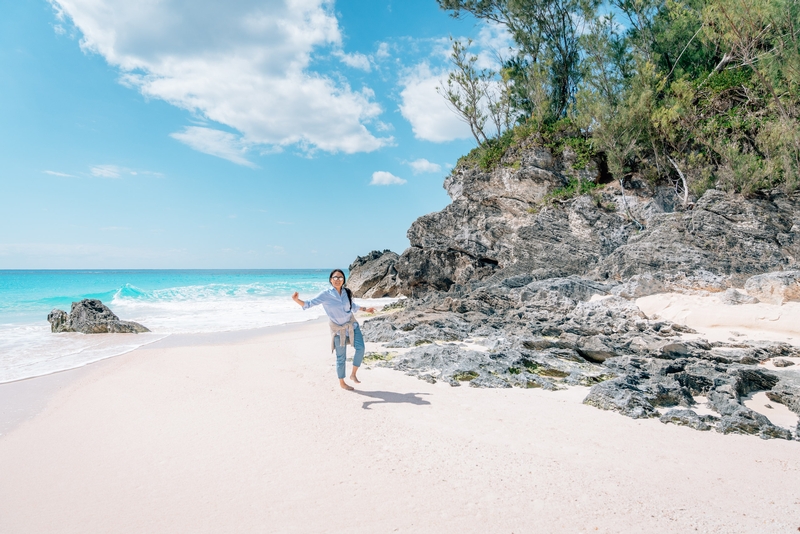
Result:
345,385
355,379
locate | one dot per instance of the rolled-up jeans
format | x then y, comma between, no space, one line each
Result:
358,344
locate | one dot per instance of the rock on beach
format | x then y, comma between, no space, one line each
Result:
91,316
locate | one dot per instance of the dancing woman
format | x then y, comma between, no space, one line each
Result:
340,308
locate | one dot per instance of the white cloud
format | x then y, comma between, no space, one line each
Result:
214,142
426,110
62,174
423,165
385,178
106,171
383,51
243,64
355,60
493,42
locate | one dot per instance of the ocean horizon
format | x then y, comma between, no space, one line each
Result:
167,301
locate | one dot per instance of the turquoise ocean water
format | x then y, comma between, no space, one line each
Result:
166,301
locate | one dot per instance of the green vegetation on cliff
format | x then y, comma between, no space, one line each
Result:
698,93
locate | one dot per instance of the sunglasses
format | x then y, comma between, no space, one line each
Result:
337,278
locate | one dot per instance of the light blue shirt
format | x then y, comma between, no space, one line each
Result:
336,306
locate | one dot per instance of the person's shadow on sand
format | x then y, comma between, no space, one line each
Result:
390,397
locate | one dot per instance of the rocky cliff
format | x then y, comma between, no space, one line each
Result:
498,223
541,279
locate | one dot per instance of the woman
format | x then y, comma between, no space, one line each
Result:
340,308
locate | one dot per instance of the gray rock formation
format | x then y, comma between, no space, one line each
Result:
90,316
774,288
546,289
723,234
684,417
497,223
374,275
787,391
558,332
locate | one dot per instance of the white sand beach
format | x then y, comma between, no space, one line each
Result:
250,432
716,321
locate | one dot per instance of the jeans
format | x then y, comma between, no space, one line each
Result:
358,344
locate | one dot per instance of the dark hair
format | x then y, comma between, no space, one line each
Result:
349,293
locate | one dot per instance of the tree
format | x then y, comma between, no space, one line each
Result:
546,31
465,89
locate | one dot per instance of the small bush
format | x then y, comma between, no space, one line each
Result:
574,188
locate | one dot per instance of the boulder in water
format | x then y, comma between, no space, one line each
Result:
90,316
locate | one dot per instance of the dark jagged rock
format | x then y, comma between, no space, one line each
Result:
565,332
90,316
621,397
374,275
58,320
685,417
745,421
787,391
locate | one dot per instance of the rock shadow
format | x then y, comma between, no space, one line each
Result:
391,397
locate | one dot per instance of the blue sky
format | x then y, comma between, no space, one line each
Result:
207,134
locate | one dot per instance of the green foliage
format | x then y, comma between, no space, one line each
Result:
487,155
494,150
580,145
574,188
378,356
555,135
693,93
552,373
465,376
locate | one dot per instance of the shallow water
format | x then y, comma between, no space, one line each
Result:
165,301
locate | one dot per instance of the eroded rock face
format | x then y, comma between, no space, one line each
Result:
90,316
495,223
723,234
374,275
774,288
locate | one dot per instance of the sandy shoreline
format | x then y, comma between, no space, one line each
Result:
23,399
252,434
